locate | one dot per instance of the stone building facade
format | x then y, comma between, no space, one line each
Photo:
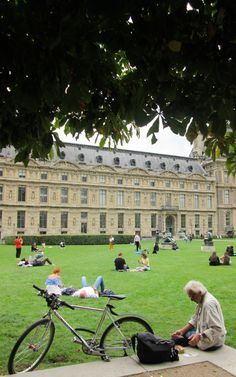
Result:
92,190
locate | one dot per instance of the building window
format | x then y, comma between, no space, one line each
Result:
153,221
208,186
183,221
20,219
64,177
120,181
176,167
168,200
182,201
84,196
190,168
227,219
84,216
102,220
43,219
83,178
226,197
210,221
137,220
63,155
163,165
137,198
132,162
148,164
1,173
81,157
0,218
136,182
22,173
152,183
64,220
99,159
43,194
64,195
44,175
102,179
1,193
209,201
21,193
167,183
116,161
181,184
196,201
120,198
84,228
153,199
102,198
120,220
197,221
195,186
226,177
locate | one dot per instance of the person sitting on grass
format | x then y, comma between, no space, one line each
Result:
225,259
120,263
214,260
206,329
34,248
54,284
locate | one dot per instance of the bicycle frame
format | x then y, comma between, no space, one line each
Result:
91,348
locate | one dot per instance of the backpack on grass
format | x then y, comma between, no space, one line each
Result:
152,349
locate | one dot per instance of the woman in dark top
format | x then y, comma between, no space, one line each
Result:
214,260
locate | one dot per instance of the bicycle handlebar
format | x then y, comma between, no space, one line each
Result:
52,300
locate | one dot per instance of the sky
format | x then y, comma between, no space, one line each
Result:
168,143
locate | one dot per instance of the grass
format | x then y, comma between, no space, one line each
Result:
156,295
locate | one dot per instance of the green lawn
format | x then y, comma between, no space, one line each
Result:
156,295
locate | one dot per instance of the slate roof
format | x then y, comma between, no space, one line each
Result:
94,155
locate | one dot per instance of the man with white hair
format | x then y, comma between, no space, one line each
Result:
206,329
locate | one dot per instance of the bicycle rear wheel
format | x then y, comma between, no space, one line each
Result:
116,339
31,347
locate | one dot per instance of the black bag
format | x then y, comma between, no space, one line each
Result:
153,349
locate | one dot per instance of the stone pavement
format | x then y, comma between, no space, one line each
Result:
224,357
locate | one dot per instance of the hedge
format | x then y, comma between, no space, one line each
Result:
85,239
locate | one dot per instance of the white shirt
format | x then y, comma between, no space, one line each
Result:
86,292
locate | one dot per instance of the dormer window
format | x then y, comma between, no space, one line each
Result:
190,168
116,161
148,164
176,167
99,159
81,157
63,155
132,162
163,165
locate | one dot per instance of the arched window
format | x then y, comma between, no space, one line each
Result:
148,164
81,157
116,161
176,167
163,165
63,155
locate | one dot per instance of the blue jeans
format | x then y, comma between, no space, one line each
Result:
99,283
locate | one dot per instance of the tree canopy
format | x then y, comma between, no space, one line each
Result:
109,67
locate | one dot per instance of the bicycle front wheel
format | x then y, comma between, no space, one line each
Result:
31,347
116,339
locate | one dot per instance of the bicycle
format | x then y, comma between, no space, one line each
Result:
33,345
